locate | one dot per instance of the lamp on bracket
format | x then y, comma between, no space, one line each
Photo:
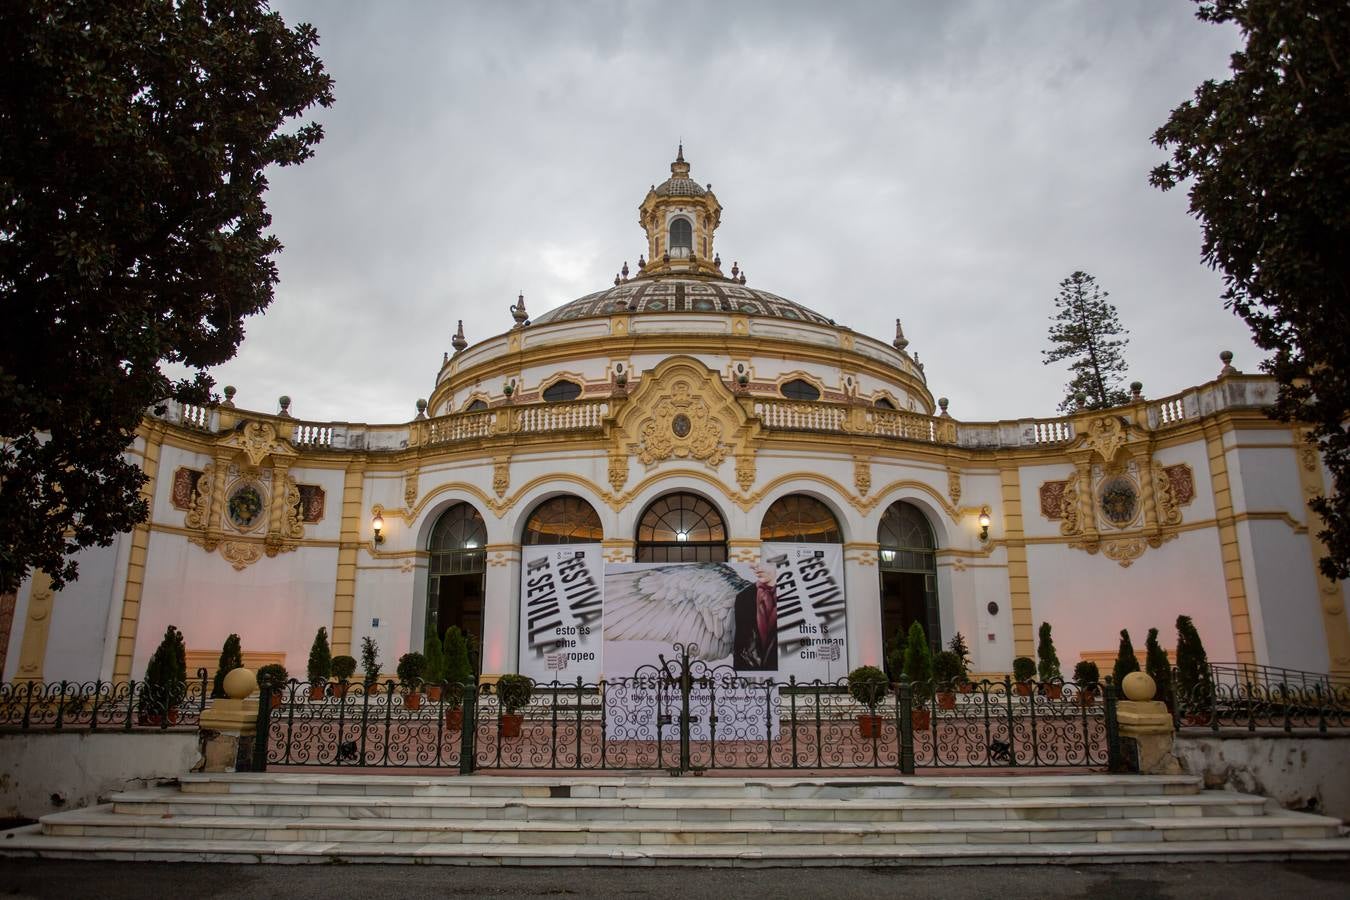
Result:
377,525
984,523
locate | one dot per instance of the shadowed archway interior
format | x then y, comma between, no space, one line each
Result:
908,573
456,566
681,527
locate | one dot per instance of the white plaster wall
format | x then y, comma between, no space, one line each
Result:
1030,479
78,635
82,769
1087,598
275,604
1196,455
1282,587
1306,773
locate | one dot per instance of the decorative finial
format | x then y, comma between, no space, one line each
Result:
1136,391
942,405
1226,357
285,403
717,260
421,409
1080,400
900,342
679,156
742,278
229,397
617,280
624,270
735,270
642,263
518,311
458,341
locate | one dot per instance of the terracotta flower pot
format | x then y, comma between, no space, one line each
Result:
1023,688
921,719
869,726
276,700
511,723
1054,691
1087,696
157,720
338,690
966,687
412,700
454,719
317,692
433,693
946,700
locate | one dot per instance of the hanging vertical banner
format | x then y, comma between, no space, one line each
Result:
809,578
561,610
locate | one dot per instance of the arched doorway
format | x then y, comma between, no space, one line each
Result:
455,574
803,549
799,519
908,571
562,520
681,527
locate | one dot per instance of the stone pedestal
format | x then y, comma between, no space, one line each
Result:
1148,726
229,726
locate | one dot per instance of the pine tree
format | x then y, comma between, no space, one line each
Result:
165,682
1126,661
231,658
1085,330
370,660
435,670
1194,683
1047,668
918,661
320,658
458,668
1157,667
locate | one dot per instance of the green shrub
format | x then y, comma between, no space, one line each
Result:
1194,681
411,667
343,667
1157,667
947,670
867,685
274,674
458,669
1024,669
1047,666
1126,661
1086,674
434,673
514,692
370,660
918,661
958,646
165,683
320,658
231,658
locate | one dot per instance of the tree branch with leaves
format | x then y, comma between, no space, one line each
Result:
1086,330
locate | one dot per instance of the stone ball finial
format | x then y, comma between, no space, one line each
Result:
285,403
942,405
1226,357
229,397
421,409
1136,390
1138,686
239,683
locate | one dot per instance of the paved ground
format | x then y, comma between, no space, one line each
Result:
57,879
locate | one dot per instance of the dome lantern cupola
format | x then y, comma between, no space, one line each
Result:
680,216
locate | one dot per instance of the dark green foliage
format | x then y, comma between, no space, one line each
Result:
1086,674
1265,154
274,674
867,685
514,692
1024,669
344,667
958,646
895,654
231,658
370,660
1085,330
320,658
947,670
1047,661
411,667
134,138
165,675
1126,661
918,661
434,673
1195,684
1157,667
458,668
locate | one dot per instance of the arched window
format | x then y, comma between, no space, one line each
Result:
906,539
456,564
883,403
799,519
476,406
908,573
797,389
681,527
563,520
681,237
562,391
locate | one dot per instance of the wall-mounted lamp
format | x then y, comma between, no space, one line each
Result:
377,524
984,524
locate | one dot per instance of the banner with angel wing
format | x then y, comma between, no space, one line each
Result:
809,583
561,609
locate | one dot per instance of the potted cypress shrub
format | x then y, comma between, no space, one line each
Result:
231,658
919,671
434,672
343,668
867,685
165,683
1158,668
455,658
947,673
411,666
370,663
1047,666
1024,673
1195,683
513,692
1126,661
958,646
320,665
1086,676
276,676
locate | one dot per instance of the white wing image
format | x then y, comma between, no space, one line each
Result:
685,603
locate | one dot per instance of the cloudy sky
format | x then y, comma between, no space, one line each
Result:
944,163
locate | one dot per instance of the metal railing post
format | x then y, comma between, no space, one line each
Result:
1114,758
905,725
468,734
263,725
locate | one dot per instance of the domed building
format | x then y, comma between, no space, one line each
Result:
683,417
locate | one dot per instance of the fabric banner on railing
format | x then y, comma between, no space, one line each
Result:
809,582
561,608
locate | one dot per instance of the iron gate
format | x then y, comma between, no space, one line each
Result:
683,715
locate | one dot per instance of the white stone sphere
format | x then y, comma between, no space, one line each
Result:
1138,686
239,683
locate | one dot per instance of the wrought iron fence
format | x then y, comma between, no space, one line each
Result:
1226,701
683,715
101,705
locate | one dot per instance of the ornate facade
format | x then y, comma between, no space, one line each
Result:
681,381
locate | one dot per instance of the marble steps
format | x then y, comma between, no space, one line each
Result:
30,842
161,801
102,821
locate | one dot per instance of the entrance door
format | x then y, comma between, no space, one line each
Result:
455,576
908,574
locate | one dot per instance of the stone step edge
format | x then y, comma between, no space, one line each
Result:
629,778
103,817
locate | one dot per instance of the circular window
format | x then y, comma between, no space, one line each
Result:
1119,501
245,507
681,426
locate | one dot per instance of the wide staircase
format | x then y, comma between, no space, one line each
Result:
660,820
